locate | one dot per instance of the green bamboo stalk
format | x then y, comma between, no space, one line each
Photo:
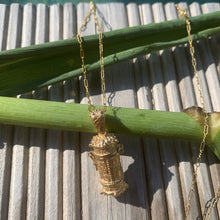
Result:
138,122
25,69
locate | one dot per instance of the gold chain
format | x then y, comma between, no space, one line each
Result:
183,14
82,55
213,203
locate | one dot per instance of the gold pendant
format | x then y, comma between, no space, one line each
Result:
106,157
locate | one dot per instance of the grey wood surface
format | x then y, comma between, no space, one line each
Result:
47,174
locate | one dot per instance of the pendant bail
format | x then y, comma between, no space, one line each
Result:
98,119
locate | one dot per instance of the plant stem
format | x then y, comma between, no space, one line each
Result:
128,121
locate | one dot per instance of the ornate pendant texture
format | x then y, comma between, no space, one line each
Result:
106,157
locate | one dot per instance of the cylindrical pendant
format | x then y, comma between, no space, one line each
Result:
107,161
106,157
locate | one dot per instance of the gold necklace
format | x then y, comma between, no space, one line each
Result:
106,148
183,14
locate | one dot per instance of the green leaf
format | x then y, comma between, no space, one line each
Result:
26,69
128,121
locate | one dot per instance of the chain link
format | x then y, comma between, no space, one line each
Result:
213,203
183,14
82,55
102,71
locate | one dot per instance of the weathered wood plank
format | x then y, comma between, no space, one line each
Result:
213,89
155,194
71,156
6,132
28,24
18,186
203,177
204,182
157,199
133,15
14,27
19,170
214,42
167,150
71,177
4,13
202,80
42,24
53,180
208,65
36,175
36,167
214,165
174,103
17,204
132,160
94,206
5,168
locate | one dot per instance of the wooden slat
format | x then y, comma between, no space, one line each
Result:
53,180
28,25
157,200
213,161
203,178
71,156
167,150
14,27
133,15
166,147
18,196
174,102
90,185
204,181
214,42
36,167
42,24
28,32
208,65
132,159
35,194
5,168
4,13
5,132
156,196
18,185
202,79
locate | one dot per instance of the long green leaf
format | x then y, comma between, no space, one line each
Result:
75,117
138,122
29,68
